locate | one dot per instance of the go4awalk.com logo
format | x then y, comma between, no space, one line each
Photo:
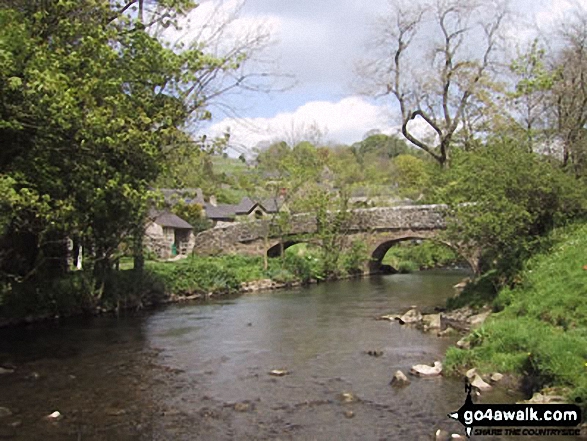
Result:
520,419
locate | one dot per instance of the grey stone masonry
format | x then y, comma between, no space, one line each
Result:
255,237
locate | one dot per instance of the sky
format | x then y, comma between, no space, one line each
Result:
320,42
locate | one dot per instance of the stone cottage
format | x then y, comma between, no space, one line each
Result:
168,235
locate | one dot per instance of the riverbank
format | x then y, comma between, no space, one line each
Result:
191,279
538,331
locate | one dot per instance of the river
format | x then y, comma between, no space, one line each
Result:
201,371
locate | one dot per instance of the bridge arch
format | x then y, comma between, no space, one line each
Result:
381,249
275,250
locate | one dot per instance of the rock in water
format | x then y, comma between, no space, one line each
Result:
374,353
242,407
496,377
477,320
470,374
347,397
55,416
423,370
478,383
349,414
279,372
432,321
441,435
412,316
6,370
5,412
399,379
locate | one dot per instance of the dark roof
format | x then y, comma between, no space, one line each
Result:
166,219
219,212
245,206
272,205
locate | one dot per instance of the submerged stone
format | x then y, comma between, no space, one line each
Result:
399,379
423,370
410,317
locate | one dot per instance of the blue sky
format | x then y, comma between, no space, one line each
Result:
320,42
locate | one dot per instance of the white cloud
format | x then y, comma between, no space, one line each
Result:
220,25
345,121
555,12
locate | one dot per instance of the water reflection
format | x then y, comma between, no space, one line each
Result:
200,372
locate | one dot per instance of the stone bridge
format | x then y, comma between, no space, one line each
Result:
380,228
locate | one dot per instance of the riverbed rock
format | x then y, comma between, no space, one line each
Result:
478,383
390,317
6,370
470,374
448,332
112,411
441,435
423,370
374,353
431,321
242,407
55,416
347,397
543,398
411,317
496,377
349,414
463,343
279,372
5,412
477,320
399,379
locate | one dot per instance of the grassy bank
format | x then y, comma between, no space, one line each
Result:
540,329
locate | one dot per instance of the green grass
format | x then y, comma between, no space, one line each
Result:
541,327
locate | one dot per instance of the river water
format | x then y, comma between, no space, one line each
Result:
201,371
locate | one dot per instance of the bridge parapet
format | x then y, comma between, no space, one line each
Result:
250,237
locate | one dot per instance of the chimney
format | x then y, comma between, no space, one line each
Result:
213,200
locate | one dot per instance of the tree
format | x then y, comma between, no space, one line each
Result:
570,91
412,175
92,103
504,200
530,101
440,91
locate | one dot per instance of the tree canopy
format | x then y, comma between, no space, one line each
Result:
92,103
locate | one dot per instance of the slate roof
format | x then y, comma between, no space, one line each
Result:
219,212
245,206
271,205
167,219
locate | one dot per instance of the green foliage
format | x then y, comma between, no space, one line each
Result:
93,104
541,330
196,275
477,293
407,266
355,258
424,255
504,200
412,174
192,214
